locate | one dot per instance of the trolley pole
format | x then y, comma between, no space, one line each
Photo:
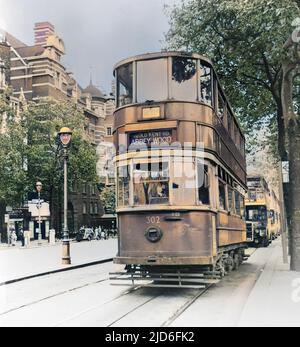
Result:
283,218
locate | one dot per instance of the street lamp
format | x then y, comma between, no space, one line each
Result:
65,136
39,187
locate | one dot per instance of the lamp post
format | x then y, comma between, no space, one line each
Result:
65,136
39,187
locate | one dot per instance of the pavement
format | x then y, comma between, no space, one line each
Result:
19,263
275,298
263,293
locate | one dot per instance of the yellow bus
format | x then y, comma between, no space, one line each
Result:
262,212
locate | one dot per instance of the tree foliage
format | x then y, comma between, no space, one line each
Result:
29,151
108,199
244,39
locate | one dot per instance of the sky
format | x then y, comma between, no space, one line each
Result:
97,33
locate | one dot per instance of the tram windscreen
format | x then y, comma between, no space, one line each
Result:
184,79
151,184
256,213
152,80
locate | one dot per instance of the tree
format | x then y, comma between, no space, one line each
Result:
29,152
290,94
108,199
13,176
43,120
245,40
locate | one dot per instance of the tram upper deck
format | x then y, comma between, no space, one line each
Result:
177,97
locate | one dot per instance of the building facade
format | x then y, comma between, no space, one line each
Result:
36,72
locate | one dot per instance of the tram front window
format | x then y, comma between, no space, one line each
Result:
123,186
125,85
184,79
152,80
151,184
256,213
203,184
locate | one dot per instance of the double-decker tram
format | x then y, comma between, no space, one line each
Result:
181,173
263,214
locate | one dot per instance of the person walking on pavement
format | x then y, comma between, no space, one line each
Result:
22,237
14,238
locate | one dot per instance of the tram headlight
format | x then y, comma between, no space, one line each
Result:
153,234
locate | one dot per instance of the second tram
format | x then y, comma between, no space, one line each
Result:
262,212
177,228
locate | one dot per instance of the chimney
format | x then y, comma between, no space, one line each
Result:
42,31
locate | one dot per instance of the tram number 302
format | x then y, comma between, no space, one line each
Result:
153,220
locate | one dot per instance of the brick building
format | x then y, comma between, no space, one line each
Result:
37,72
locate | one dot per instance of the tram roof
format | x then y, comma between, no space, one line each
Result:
166,54
156,55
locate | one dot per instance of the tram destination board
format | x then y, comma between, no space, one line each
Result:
151,138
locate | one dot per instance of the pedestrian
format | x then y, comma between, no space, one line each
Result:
103,235
14,238
22,237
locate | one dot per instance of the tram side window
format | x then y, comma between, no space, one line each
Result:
238,203
222,196
221,106
231,199
203,185
123,186
206,85
184,79
151,184
243,206
125,85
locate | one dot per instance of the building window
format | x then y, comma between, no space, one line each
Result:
84,188
109,131
96,208
84,208
91,208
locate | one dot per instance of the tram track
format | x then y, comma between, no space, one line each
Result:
185,307
36,302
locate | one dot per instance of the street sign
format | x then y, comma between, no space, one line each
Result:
286,171
36,201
